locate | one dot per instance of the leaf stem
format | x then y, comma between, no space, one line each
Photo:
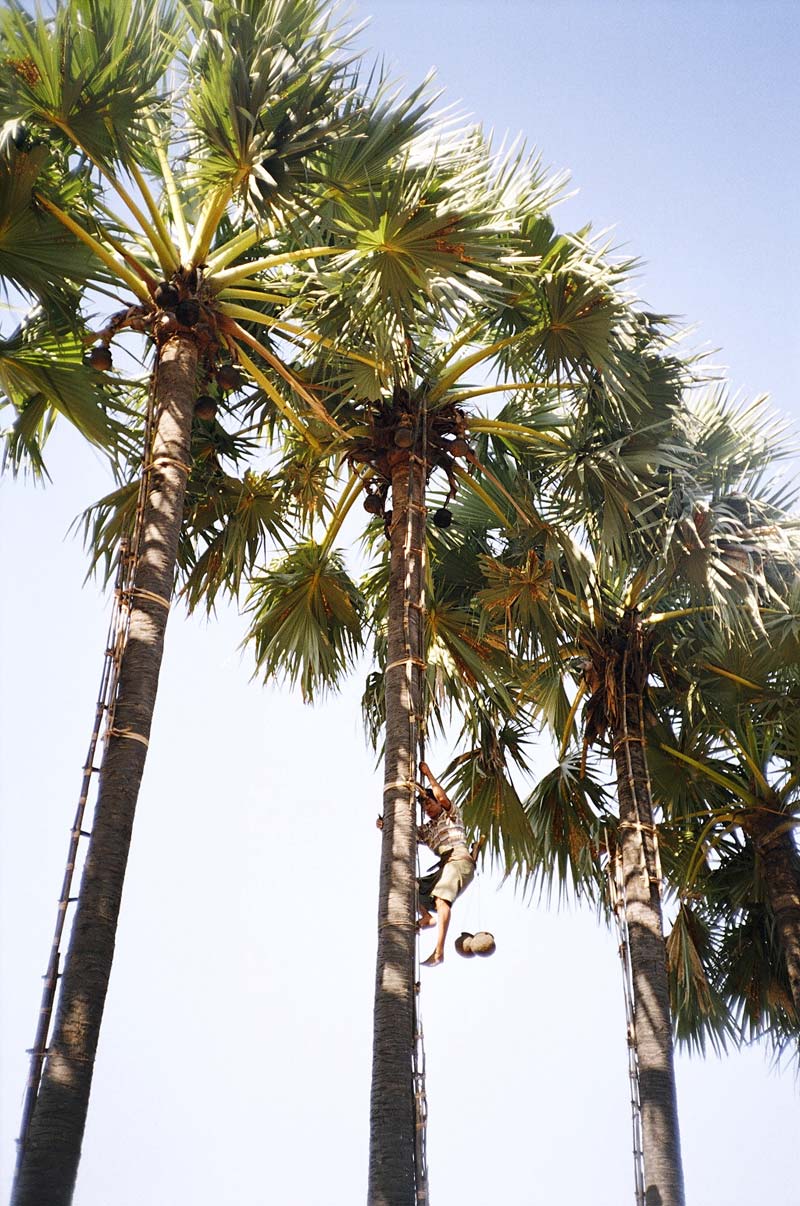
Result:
272,393
155,214
288,376
230,276
120,270
485,498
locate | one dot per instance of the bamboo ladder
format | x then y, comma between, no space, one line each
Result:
116,641
616,881
417,739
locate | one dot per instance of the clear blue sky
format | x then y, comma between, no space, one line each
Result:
234,1060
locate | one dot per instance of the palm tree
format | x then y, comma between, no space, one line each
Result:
541,326
660,563
696,565
187,154
737,741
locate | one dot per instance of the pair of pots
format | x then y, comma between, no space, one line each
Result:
482,943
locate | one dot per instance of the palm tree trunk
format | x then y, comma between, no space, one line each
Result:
392,1118
48,1165
774,840
653,1027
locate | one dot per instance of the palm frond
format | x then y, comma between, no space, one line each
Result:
307,619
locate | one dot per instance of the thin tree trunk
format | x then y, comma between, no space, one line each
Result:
49,1163
660,1133
774,840
392,1118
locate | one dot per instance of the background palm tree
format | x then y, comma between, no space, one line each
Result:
662,556
735,861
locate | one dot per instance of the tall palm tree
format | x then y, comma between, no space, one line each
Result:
660,562
187,153
697,566
537,315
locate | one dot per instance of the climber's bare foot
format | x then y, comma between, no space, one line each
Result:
433,960
425,920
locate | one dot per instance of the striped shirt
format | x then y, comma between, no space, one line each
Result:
446,832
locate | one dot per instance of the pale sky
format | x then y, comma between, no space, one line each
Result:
235,1053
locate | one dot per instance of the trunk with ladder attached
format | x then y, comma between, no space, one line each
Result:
394,1179
50,1144
641,893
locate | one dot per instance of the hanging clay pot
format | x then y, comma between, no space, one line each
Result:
443,518
205,408
100,358
483,943
229,377
463,945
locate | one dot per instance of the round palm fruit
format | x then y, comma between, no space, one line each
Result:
443,518
483,943
463,945
205,408
373,504
100,358
187,312
229,377
166,296
458,447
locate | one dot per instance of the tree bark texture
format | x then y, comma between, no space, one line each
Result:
49,1163
653,1025
773,835
392,1115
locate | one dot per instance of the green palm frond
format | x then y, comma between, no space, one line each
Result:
91,72
307,619
466,656
233,521
753,975
263,90
566,812
522,595
307,480
42,376
422,247
699,1010
106,524
738,441
37,254
378,126
480,781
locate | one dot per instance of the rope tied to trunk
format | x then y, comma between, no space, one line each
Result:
129,734
150,596
411,660
158,461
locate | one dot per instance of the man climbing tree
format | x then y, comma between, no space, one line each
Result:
445,835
